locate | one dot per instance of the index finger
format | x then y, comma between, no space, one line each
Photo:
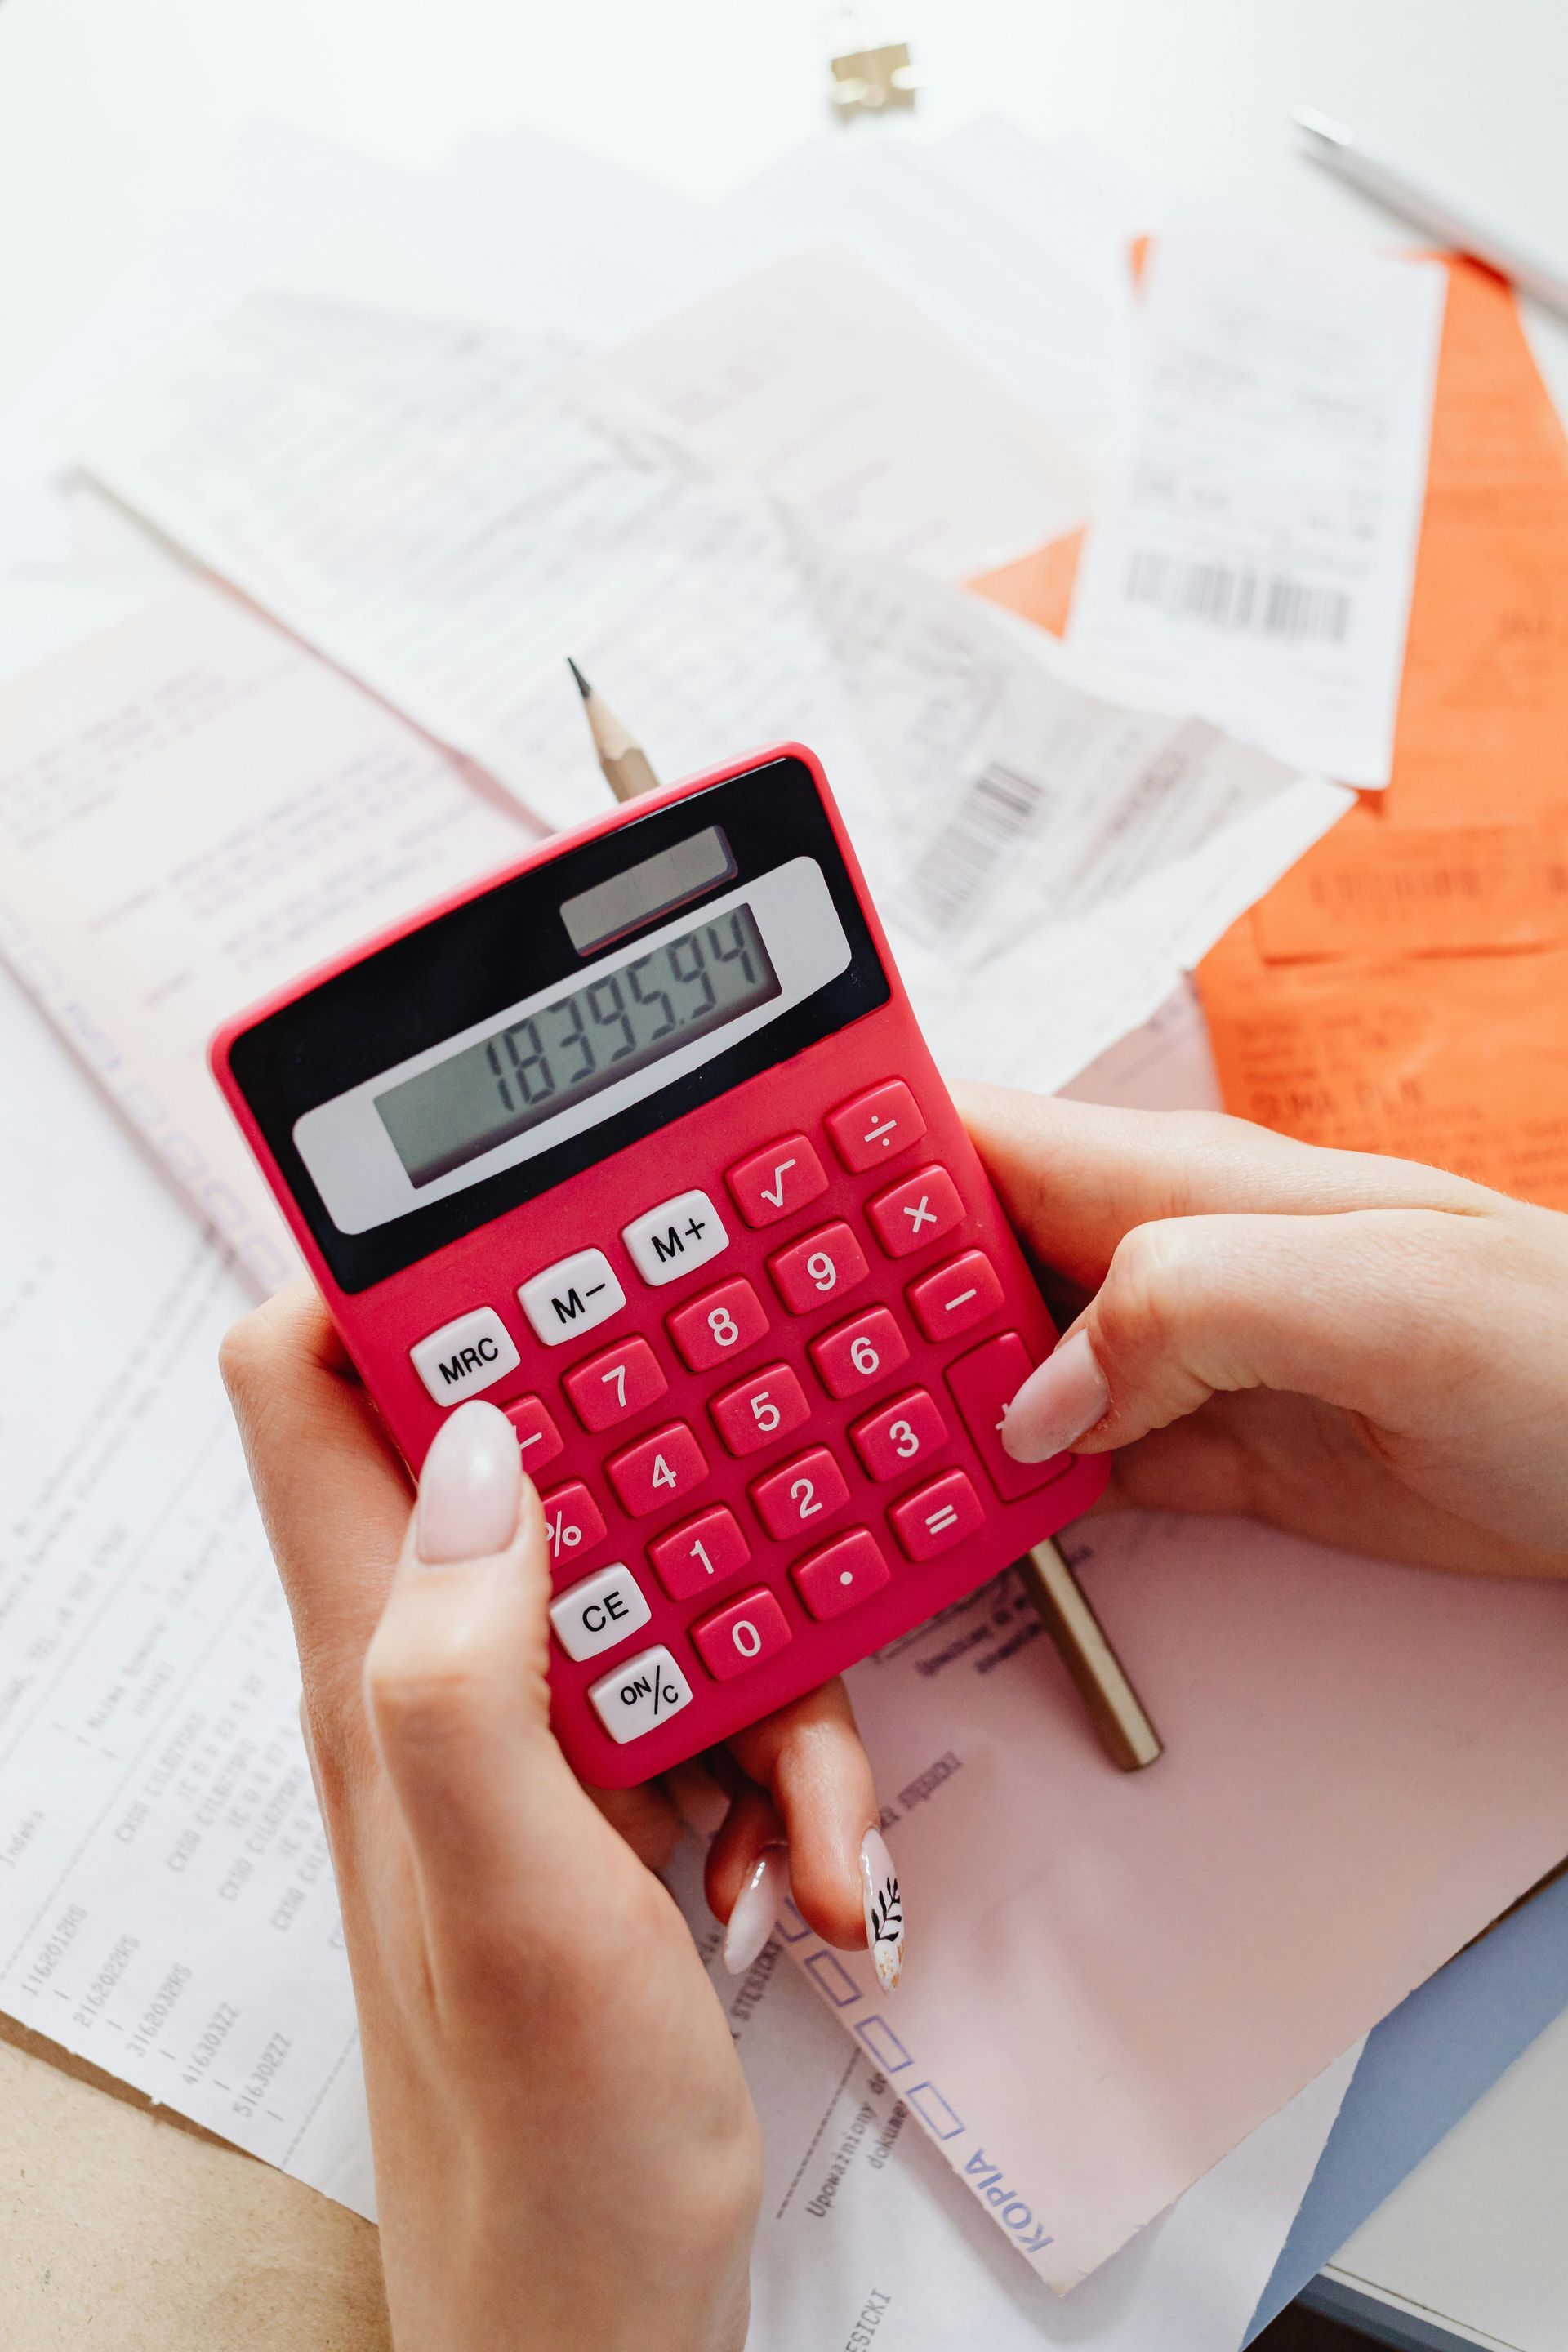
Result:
1076,1178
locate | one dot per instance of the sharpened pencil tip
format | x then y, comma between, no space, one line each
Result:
583,688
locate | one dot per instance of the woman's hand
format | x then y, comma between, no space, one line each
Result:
565,2152
1360,1350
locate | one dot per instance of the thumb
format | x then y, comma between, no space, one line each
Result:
455,1675
1340,1307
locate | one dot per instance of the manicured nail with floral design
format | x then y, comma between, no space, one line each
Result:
756,1909
884,1909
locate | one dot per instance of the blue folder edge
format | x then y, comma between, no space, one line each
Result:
1422,2068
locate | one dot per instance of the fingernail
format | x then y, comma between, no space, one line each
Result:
1061,1398
756,1909
884,1909
471,1486
699,1801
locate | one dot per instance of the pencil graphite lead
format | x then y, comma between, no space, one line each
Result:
583,688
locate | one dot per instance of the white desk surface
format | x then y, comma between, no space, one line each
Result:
111,117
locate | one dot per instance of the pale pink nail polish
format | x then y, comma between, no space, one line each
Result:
756,1909
471,1486
882,1901
1061,1398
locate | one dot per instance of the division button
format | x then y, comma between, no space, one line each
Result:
721,1325
818,1270
955,1297
700,1554
876,1127
539,1439
742,1635
465,1356
656,1471
799,1497
841,1575
639,1695
858,1354
788,1176
760,1409
599,1612
921,1209
984,1384
681,1232
612,1386
573,1295
935,1517
900,1436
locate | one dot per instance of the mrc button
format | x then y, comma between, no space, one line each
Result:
465,1356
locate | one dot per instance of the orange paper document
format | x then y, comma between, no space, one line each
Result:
1439,1026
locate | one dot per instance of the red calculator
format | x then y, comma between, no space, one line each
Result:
640,1140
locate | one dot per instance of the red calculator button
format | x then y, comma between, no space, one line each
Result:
537,1435
608,1387
720,1324
983,1383
765,1405
699,1555
857,1354
876,1127
658,1470
819,1270
954,1296
935,1517
774,1184
795,1499
573,1523
908,1431
841,1575
742,1635
919,1210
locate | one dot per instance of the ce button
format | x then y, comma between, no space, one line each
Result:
600,1611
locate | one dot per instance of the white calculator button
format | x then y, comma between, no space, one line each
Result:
640,1695
573,1295
465,1356
667,1242
600,1611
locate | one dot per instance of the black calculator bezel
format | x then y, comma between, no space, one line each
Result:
477,959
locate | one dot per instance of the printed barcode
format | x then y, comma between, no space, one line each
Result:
1000,809
1229,597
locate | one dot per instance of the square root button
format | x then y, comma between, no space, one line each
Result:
641,1694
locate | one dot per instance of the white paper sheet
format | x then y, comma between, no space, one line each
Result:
1253,560
194,809
815,377
167,1900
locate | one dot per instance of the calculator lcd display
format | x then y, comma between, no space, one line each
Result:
596,1033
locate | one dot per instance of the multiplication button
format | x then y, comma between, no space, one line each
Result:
464,1356
641,1694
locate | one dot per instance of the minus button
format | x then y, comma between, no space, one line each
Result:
955,1297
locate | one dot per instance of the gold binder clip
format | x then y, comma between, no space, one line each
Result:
868,81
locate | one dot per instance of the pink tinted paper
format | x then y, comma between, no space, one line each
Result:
1112,1979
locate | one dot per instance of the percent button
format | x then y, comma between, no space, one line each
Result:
640,1695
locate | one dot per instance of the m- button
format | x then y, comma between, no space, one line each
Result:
573,1295
667,1242
465,1356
